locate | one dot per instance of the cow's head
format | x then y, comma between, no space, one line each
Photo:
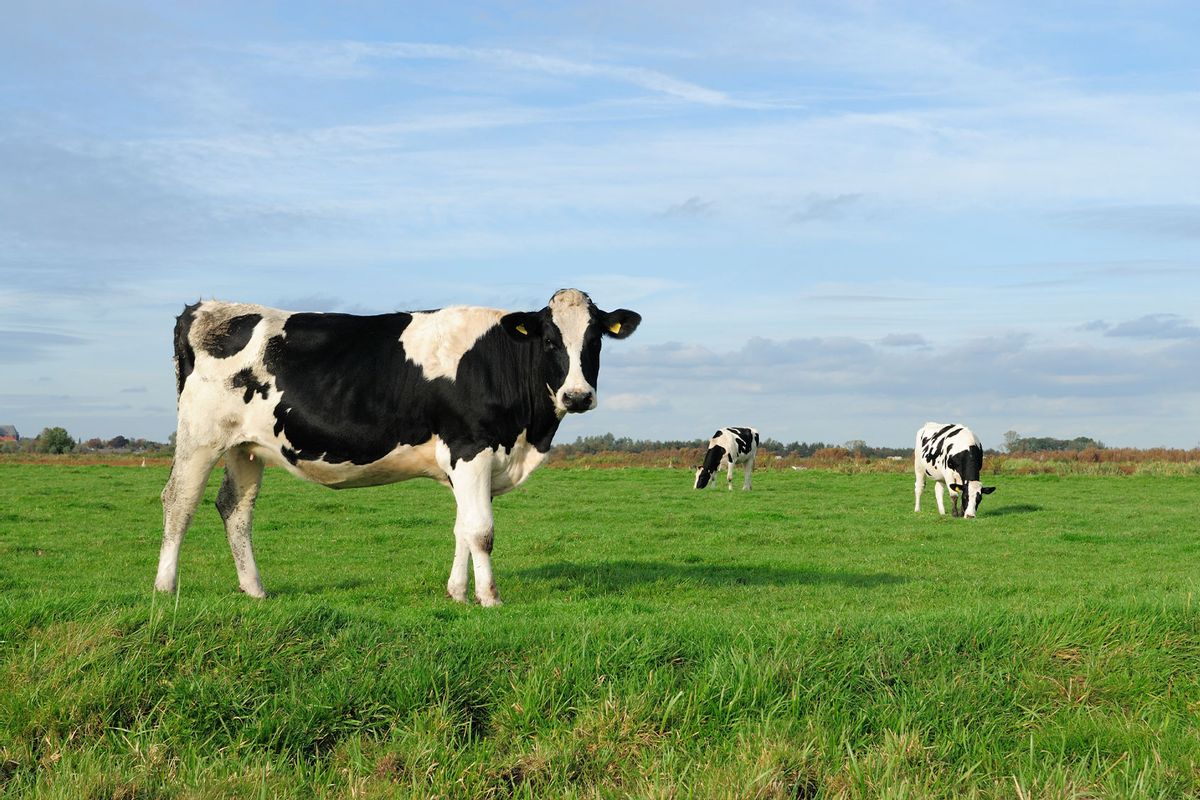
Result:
972,496
570,328
712,462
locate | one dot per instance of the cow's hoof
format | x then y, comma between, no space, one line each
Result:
160,586
460,597
490,602
255,591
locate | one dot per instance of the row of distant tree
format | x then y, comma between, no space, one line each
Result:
58,440
1016,443
1013,443
607,443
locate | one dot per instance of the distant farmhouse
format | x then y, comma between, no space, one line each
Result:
8,433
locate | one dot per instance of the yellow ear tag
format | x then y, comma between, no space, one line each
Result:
615,327
521,328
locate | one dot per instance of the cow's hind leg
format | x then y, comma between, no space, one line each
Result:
749,471
473,529
181,495
235,502
918,487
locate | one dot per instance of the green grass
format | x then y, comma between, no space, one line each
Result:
813,638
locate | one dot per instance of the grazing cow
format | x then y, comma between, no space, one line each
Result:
953,457
729,447
470,397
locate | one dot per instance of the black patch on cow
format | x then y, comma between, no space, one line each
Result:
554,352
245,378
941,442
714,457
500,391
589,355
944,429
967,463
185,356
349,392
743,437
230,337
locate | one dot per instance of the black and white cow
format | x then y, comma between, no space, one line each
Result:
468,396
953,457
727,448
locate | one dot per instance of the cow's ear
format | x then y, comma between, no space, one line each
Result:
620,323
522,325
988,489
956,487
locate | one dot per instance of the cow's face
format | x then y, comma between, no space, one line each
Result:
570,329
972,496
703,476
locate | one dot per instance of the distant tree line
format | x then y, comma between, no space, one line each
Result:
1013,443
607,443
1016,443
57,440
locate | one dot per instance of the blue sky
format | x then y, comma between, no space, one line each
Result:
838,220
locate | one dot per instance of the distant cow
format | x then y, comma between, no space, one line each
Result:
727,448
468,396
953,457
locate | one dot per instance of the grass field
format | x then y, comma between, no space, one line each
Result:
813,638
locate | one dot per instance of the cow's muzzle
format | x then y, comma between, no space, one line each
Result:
578,402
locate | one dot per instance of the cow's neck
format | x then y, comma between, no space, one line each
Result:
543,419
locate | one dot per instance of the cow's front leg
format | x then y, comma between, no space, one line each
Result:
473,529
938,489
729,476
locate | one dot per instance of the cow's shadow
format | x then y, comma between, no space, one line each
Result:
619,576
1015,508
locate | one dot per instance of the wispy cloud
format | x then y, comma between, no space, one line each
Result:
1156,326
824,207
353,60
1178,220
904,340
23,347
691,208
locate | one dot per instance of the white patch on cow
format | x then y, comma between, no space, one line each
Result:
436,340
511,467
571,311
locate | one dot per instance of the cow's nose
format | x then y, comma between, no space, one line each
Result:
577,401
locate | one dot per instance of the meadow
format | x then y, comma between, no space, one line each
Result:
813,638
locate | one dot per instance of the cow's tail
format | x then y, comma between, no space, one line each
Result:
185,356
